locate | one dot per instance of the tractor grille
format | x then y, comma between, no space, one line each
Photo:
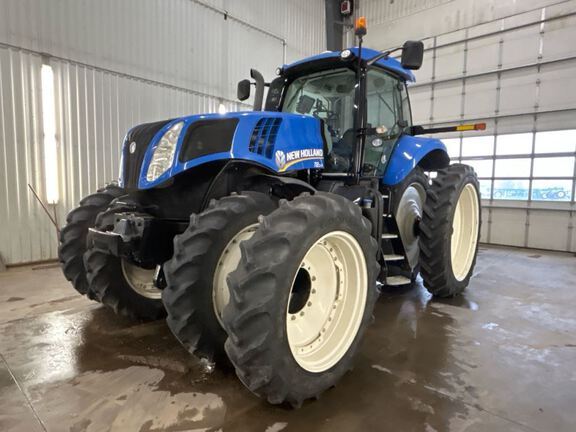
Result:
264,136
141,135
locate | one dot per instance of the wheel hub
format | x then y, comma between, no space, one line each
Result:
326,302
227,263
141,280
408,216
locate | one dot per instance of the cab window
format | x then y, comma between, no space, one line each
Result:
386,98
329,96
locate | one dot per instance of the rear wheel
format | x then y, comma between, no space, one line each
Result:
301,298
204,255
407,208
450,230
73,236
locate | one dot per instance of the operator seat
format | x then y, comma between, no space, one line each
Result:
340,156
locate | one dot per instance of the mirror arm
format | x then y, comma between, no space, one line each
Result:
381,56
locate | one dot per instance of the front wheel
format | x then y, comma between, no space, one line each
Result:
204,254
301,298
450,230
126,288
72,243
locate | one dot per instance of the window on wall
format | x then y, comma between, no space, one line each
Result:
537,166
478,146
453,146
514,144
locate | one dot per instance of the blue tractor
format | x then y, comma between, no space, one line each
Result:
264,236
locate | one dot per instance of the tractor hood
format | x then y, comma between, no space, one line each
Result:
153,153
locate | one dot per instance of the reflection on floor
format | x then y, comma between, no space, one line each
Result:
499,358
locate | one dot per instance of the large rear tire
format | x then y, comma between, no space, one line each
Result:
407,208
301,298
204,254
450,230
73,236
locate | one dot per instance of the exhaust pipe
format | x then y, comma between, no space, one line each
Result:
259,95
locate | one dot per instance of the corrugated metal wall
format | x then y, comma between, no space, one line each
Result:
517,74
380,12
118,63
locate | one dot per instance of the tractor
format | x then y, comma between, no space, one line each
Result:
264,237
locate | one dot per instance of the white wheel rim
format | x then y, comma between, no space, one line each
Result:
227,263
322,326
408,212
141,280
465,232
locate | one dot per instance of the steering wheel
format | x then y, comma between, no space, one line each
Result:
337,162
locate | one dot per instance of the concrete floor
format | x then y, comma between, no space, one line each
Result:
500,358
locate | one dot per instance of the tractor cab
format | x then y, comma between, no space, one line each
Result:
330,95
360,97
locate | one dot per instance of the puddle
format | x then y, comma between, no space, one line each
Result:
490,326
125,400
276,427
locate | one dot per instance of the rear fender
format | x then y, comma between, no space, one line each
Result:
410,151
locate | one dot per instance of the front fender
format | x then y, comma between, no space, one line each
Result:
411,151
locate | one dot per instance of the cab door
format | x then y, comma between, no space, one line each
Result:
387,117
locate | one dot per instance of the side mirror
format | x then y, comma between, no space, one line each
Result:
243,91
412,55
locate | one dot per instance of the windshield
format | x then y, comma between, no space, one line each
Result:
326,95
329,96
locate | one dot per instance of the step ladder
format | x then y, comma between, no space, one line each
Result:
393,250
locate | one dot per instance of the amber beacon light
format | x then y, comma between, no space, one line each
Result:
360,26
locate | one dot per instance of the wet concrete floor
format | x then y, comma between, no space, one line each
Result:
500,358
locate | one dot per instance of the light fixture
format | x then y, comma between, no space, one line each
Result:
164,152
345,54
49,129
222,109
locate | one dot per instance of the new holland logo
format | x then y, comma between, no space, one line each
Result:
286,160
280,159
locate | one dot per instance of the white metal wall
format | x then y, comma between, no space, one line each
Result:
118,63
518,74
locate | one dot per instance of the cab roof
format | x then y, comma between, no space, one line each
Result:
388,63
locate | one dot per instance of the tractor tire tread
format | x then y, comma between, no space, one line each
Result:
72,239
197,329
255,288
436,228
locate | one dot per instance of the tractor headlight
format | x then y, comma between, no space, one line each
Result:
163,155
